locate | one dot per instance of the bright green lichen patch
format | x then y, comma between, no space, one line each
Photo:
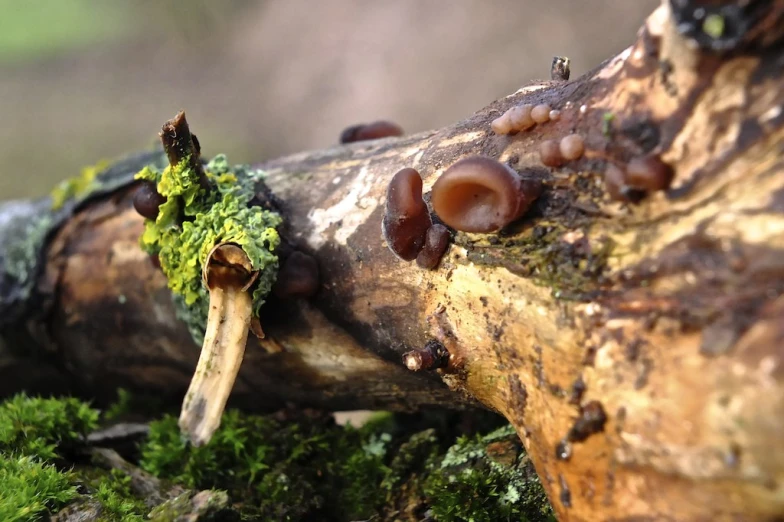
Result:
193,221
77,186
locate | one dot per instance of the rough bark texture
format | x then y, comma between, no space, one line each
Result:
636,349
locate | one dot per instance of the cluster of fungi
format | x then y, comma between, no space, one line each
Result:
476,194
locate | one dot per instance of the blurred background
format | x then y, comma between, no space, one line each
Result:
86,80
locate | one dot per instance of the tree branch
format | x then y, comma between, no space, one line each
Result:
637,349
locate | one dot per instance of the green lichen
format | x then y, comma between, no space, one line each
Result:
77,186
193,221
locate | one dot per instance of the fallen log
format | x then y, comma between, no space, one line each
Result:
635,345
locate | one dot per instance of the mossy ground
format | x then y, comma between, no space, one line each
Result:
289,466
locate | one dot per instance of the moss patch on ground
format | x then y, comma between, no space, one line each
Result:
291,466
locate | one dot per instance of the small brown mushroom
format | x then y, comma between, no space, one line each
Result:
147,200
541,113
298,277
550,153
502,124
406,218
572,147
648,173
480,194
370,131
436,243
555,115
520,117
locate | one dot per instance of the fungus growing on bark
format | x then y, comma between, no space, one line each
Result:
555,115
572,147
147,200
370,131
436,243
298,277
541,113
406,218
648,173
550,153
516,119
480,194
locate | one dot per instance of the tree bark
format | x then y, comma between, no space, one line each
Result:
637,349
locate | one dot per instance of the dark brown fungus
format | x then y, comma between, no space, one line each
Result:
591,420
298,277
480,194
370,131
406,218
648,173
433,356
436,243
147,200
550,153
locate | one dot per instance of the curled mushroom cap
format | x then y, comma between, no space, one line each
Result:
480,194
406,218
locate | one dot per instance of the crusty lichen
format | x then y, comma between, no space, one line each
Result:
77,186
193,220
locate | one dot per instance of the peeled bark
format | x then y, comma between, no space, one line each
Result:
637,349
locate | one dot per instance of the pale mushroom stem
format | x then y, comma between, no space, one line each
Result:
228,277
221,356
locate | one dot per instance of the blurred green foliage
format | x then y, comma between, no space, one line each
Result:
39,28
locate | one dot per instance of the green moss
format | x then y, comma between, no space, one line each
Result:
193,220
118,503
571,270
77,186
283,471
303,467
44,428
486,479
29,488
